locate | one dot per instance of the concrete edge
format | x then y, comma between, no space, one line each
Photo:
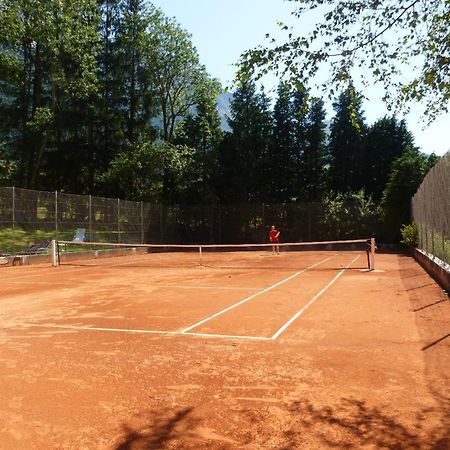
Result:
434,267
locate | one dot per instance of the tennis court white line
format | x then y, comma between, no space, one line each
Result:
299,313
224,288
124,330
81,328
168,286
230,336
251,297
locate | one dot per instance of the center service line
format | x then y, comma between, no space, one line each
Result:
246,299
299,313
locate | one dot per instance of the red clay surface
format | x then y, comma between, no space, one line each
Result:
141,357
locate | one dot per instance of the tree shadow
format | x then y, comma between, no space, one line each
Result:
157,430
353,424
432,344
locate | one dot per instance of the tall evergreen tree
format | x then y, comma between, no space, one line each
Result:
243,149
131,45
299,111
313,162
385,141
279,161
202,132
347,171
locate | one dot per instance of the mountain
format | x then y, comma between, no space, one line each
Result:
223,107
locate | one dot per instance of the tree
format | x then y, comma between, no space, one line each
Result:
381,37
47,67
346,143
137,173
313,164
350,215
201,131
133,41
299,110
384,141
279,161
176,69
177,78
407,172
243,151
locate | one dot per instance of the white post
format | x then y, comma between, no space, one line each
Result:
14,219
91,239
118,220
56,214
54,248
142,222
200,254
372,253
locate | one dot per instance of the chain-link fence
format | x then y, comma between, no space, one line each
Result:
431,211
29,217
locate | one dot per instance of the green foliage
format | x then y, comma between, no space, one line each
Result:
384,141
7,169
19,239
110,97
410,235
201,131
381,37
138,172
346,144
407,172
176,71
314,160
243,151
350,215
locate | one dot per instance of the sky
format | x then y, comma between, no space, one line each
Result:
223,29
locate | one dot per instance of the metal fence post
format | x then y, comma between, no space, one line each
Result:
263,218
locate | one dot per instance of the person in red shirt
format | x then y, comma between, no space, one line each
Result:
274,236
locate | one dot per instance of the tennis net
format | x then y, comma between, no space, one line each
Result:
326,255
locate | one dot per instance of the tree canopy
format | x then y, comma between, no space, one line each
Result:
404,45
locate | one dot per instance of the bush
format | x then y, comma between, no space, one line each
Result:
410,236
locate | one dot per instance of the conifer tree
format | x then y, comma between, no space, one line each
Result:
242,152
279,163
385,141
299,111
346,143
313,164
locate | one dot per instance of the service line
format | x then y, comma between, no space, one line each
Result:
299,313
251,297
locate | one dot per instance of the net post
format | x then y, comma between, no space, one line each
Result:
54,248
200,254
372,253
56,214
14,219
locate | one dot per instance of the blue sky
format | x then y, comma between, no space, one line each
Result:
222,29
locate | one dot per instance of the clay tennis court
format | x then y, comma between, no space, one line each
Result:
255,351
